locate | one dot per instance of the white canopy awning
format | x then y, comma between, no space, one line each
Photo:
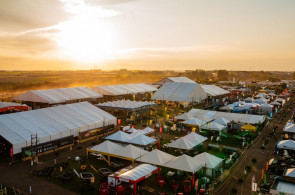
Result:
156,157
106,147
209,160
286,144
185,163
138,172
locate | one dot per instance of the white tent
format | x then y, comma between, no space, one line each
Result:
214,126
141,171
226,107
236,117
106,147
142,140
52,123
195,138
275,103
182,143
194,121
279,100
180,92
261,95
222,121
286,144
147,130
290,172
248,99
119,136
132,130
55,96
139,88
130,151
184,116
136,133
260,101
290,128
211,161
156,157
127,104
213,90
185,163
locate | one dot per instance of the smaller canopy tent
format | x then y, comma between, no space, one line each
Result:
290,172
286,144
221,121
275,103
211,161
248,99
137,174
147,130
214,126
261,95
266,106
142,140
119,136
130,152
195,138
205,118
185,163
213,90
136,133
226,107
132,130
156,157
106,147
194,121
279,100
184,116
249,127
182,143
260,101
289,128
271,94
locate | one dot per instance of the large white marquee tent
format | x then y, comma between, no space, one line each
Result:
114,90
236,117
52,123
56,96
180,92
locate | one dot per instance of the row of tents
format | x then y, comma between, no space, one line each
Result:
158,157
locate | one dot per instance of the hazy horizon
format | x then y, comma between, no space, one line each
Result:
147,35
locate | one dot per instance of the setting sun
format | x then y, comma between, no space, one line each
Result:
86,38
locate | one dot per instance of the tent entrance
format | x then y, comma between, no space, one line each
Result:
4,148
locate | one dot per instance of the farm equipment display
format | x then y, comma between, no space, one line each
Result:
87,181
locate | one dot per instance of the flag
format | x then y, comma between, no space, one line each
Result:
266,166
262,173
197,184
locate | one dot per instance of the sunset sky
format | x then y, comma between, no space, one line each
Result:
147,34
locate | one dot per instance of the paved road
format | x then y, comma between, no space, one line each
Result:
249,154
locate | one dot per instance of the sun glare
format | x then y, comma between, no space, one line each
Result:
86,38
